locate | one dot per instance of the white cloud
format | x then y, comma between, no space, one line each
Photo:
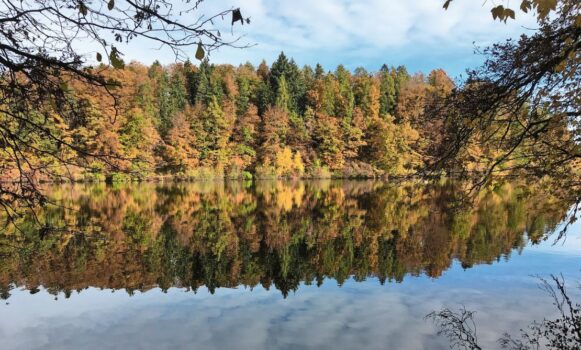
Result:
417,33
357,32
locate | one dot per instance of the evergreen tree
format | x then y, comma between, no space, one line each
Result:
190,77
216,130
279,68
387,92
319,71
295,85
178,93
244,94
264,93
282,95
164,102
246,137
200,89
400,76
345,100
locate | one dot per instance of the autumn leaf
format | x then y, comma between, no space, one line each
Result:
544,7
200,52
83,8
498,12
525,6
509,13
237,16
115,58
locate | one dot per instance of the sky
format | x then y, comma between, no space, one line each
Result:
419,34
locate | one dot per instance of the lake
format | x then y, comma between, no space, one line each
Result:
278,265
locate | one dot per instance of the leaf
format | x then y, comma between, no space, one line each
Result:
111,4
115,59
446,4
498,12
200,52
83,9
544,7
525,6
99,57
237,16
509,13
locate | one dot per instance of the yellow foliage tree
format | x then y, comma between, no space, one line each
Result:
289,165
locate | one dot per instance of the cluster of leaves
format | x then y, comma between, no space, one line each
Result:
503,12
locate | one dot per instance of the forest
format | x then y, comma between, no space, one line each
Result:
220,121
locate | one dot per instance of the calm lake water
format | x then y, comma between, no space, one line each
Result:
304,265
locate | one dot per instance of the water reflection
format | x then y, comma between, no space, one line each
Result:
273,234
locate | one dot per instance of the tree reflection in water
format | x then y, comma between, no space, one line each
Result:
141,236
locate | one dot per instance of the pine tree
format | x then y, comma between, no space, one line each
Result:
178,92
246,137
319,71
201,89
295,85
164,103
345,101
282,95
279,68
216,129
244,94
264,92
387,92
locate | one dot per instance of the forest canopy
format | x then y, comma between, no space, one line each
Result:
221,121
225,121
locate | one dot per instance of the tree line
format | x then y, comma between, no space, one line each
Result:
224,121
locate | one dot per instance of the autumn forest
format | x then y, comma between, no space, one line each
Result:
162,187
221,121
